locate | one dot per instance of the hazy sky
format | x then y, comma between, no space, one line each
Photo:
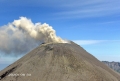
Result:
94,24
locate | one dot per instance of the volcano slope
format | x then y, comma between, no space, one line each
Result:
58,62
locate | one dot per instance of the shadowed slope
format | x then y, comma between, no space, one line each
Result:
59,62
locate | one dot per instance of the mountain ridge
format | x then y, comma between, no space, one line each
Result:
113,65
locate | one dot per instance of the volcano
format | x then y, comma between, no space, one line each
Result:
58,62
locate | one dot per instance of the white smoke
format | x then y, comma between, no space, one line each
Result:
22,35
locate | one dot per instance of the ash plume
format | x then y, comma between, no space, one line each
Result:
22,35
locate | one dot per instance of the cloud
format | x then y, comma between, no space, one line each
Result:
73,9
7,60
92,8
89,42
110,58
22,35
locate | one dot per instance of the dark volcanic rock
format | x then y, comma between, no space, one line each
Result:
113,65
58,62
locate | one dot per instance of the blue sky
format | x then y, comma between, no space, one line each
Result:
94,24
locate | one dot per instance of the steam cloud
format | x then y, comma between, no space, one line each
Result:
22,35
